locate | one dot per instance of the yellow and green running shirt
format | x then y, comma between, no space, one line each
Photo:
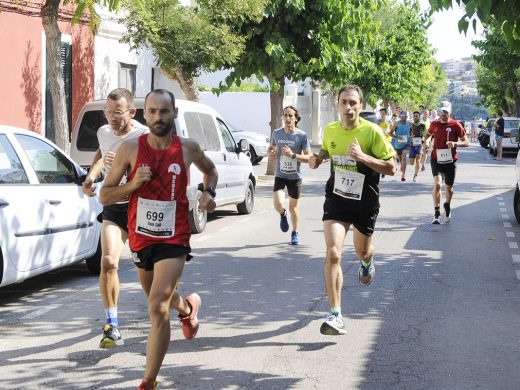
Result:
371,139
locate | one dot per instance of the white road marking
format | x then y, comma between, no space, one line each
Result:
507,224
503,210
513,245
501,203
500,198
510,234
505,216
518,274
516,258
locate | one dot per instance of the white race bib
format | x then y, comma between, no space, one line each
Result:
402,139
348,184
288,165
444,156
416,141
156,218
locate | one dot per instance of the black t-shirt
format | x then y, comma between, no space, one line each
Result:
500,127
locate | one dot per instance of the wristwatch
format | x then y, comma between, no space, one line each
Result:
293,156
211,191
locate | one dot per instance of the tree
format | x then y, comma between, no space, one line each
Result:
49,13
399,67
297,39
186,40
504,14
498,73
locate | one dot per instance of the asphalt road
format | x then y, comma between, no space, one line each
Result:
443,312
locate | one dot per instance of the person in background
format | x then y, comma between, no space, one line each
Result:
121,126
499,134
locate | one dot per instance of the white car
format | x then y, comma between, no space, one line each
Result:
46,222
507,144
258,143
236,180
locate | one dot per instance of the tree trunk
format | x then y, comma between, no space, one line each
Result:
276,98
49,15
188,86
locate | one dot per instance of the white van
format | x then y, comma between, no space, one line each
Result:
236,181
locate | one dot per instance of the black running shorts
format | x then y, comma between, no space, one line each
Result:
447,171
294,187
364,220
117,213
147,257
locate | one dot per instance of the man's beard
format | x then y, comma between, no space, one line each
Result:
160,129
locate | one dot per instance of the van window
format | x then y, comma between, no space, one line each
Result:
194,128
229,142
87,134
210,132
201,128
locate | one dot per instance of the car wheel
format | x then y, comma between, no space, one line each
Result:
196,217
516,204
252,155
246,207
94,262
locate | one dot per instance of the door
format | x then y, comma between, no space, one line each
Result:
70,215
23,216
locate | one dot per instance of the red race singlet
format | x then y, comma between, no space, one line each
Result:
158,210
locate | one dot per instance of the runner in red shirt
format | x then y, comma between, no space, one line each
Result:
448,134
157,165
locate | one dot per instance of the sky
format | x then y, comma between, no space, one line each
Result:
444,35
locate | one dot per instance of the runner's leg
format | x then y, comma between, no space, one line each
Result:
335,233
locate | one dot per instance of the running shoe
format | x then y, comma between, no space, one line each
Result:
111,337
366,274
295,238
423,168
415,178
147,384
403,178
190,323
284,224
436,221
447,213
333,326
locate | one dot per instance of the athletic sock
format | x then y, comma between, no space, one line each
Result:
365,264
437,212
447,208
336,311
111,315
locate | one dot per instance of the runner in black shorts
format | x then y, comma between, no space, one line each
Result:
359,152
116,213
290,147
448,134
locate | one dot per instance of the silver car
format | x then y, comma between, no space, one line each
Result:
258,143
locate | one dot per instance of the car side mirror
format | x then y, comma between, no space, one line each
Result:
515,136
243,145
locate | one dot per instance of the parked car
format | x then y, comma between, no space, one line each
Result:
515,137
507,145
46,222
369,116
258,143
236,181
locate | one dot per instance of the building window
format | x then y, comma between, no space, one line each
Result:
127,76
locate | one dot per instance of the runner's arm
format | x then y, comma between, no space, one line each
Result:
112,192
209,174
95,170
462,143
316,159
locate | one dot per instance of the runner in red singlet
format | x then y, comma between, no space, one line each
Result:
157,166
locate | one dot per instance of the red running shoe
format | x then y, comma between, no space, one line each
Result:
147,384
190,323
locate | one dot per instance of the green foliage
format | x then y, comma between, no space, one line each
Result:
88,6
504,14
243,87
181,37
399,67
298,39
498,72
